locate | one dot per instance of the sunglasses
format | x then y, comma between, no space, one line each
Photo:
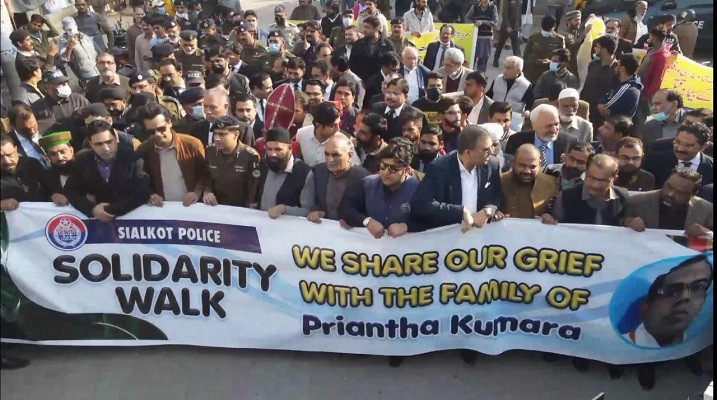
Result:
670,291
161,129
391,168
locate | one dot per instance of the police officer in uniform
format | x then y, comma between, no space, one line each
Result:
252,51
210,36
539,49
338,33
574,38
233,166
189,55
185,20
277,49
287,29
145,82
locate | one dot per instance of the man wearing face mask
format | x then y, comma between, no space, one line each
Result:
337,37
666,115
451,118
282,179
287,29
275,51
78,51
557,73
114,98
140,82
630,154
612,30
540,48
192,101
219,64
189,55
108,77
61,102
172,29
429,104
570,123
185,20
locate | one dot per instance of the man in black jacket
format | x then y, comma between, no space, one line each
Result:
366,52
394,106
436,50
687,150
113,175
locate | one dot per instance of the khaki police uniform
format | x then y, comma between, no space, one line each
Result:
234,178
290,32
254,56
540,47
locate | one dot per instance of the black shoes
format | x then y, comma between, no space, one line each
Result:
469,356
495,63
8,362
615,371
646,377
395,361
581,364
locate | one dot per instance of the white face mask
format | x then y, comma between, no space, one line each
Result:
566,119
346,22
64,91
547,33
175,40
107,73
183,15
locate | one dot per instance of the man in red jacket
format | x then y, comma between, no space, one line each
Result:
651,70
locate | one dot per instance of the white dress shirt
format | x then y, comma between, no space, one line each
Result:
440,52
31,151
312,151
475,112
469,187
414,85
396,112
424,24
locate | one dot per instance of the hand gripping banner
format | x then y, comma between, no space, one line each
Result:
232,277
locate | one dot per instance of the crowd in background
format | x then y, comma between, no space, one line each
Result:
378,138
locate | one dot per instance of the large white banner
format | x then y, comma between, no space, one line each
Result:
230,277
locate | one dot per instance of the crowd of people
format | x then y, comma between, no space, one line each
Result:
379,138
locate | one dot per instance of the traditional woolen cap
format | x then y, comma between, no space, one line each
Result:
113,93
191,95
51,139
226,122
573,15
495,130
278,135
568,93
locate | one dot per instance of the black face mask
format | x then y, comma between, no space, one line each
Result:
276,164
433,94
426,156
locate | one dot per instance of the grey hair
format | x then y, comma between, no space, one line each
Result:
219,92
455,55
409,49
535,114
516,60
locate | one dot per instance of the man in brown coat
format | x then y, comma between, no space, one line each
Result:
175,162
528,193
686,31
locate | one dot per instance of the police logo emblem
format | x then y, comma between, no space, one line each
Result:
256,173
405,208
66,232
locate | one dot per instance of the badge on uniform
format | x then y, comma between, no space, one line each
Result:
280,107
256,173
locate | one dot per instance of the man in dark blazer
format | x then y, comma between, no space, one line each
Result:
433,59
410,67
367,51
118,186
390,63
394,106
545,136
440,200
687,150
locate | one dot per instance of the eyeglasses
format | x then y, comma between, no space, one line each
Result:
161,129
391,168
673,290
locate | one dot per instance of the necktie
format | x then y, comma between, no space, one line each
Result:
687,164
43,158
261,107
297,87
443,55
543,158
390,114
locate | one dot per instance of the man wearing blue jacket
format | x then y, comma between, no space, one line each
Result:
623,99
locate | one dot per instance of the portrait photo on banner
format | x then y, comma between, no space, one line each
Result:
667,303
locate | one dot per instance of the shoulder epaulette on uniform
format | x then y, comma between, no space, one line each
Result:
251,151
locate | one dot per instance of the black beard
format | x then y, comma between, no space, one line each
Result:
276,164
426,156
64,169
